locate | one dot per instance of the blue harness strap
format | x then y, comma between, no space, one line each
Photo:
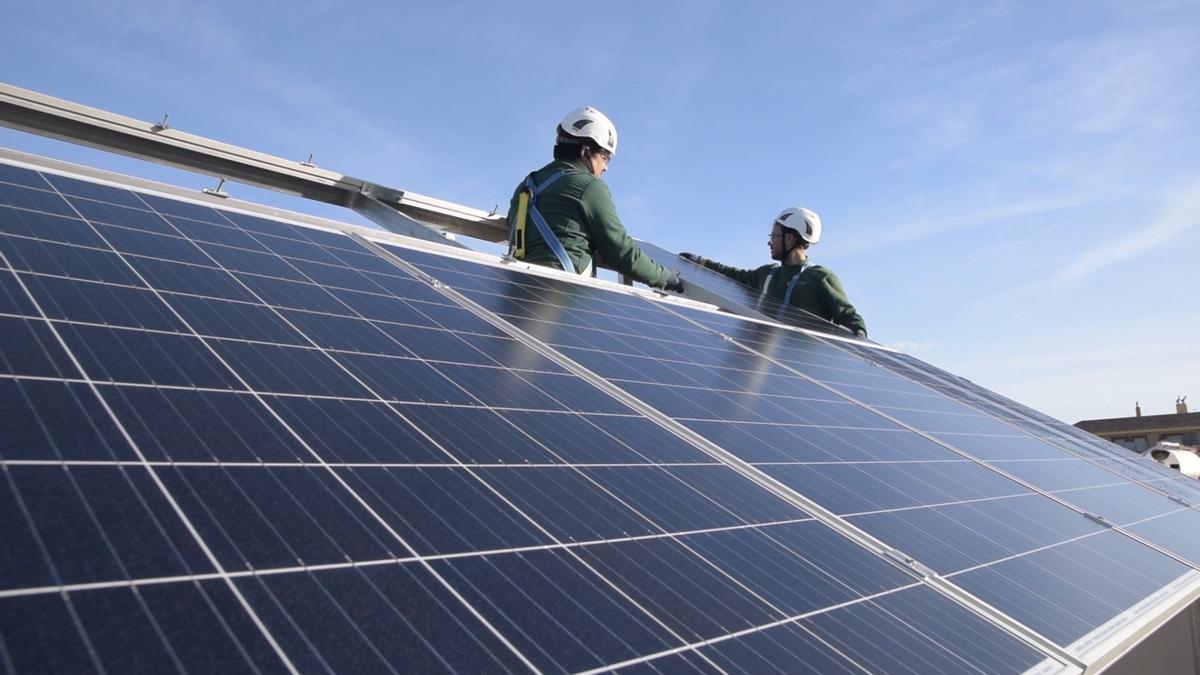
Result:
791,284
544,227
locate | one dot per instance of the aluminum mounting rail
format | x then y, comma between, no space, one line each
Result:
414,214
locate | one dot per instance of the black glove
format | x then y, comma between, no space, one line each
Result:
674,282
692,257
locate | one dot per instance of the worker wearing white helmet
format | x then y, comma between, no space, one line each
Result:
795,280
562,215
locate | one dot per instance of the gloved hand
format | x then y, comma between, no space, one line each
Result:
674,282
692,257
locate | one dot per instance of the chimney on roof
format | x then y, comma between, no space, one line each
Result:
1137,409
1181,405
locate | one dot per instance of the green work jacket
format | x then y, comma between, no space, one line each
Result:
818,290
579,210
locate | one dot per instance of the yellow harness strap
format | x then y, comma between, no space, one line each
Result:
522,211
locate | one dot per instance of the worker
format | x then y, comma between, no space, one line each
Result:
562,215
795,280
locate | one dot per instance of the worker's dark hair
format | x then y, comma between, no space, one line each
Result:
568,150
800,243
571,147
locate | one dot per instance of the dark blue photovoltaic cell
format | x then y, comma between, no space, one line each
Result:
31,349
288,370
521,595
958,536
238,320
796,567
937,637
205,628
81,188
356,431
39,634
89,302
1063,595
394,482
183,425
374,618
66,260
102,524
57,420
62,229
782,649
278,517
136,218
442,510
694,599
853,488
597,439
13,299
121,355
22,176
480,435
34,200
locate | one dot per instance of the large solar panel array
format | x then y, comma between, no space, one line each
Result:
235,443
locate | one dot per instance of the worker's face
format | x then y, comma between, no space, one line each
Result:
779,242
597,162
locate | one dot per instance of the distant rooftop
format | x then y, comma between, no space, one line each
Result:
1185,420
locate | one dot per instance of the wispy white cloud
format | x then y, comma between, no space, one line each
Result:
914,228
1180,211
1122,82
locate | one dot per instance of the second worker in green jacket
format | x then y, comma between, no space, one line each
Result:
795,280
577,209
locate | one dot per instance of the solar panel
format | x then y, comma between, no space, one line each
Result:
713,287
246,443
940,504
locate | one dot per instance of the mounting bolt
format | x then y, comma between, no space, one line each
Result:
161,126
217,192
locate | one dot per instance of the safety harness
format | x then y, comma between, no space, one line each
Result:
791,284
527,206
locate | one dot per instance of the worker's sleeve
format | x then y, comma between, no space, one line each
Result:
841,311
753,278
609,238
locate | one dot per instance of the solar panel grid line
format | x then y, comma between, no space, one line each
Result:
989,465
263,392
1050,438
994,402
520,334
164,491
950,589
1053,431
1159,549
41,545
363,502
319,567
829,518
650,658
614,587
449,586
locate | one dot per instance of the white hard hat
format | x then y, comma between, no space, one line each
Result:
807,223
587,122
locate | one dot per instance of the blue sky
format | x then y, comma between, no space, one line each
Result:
1010,190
